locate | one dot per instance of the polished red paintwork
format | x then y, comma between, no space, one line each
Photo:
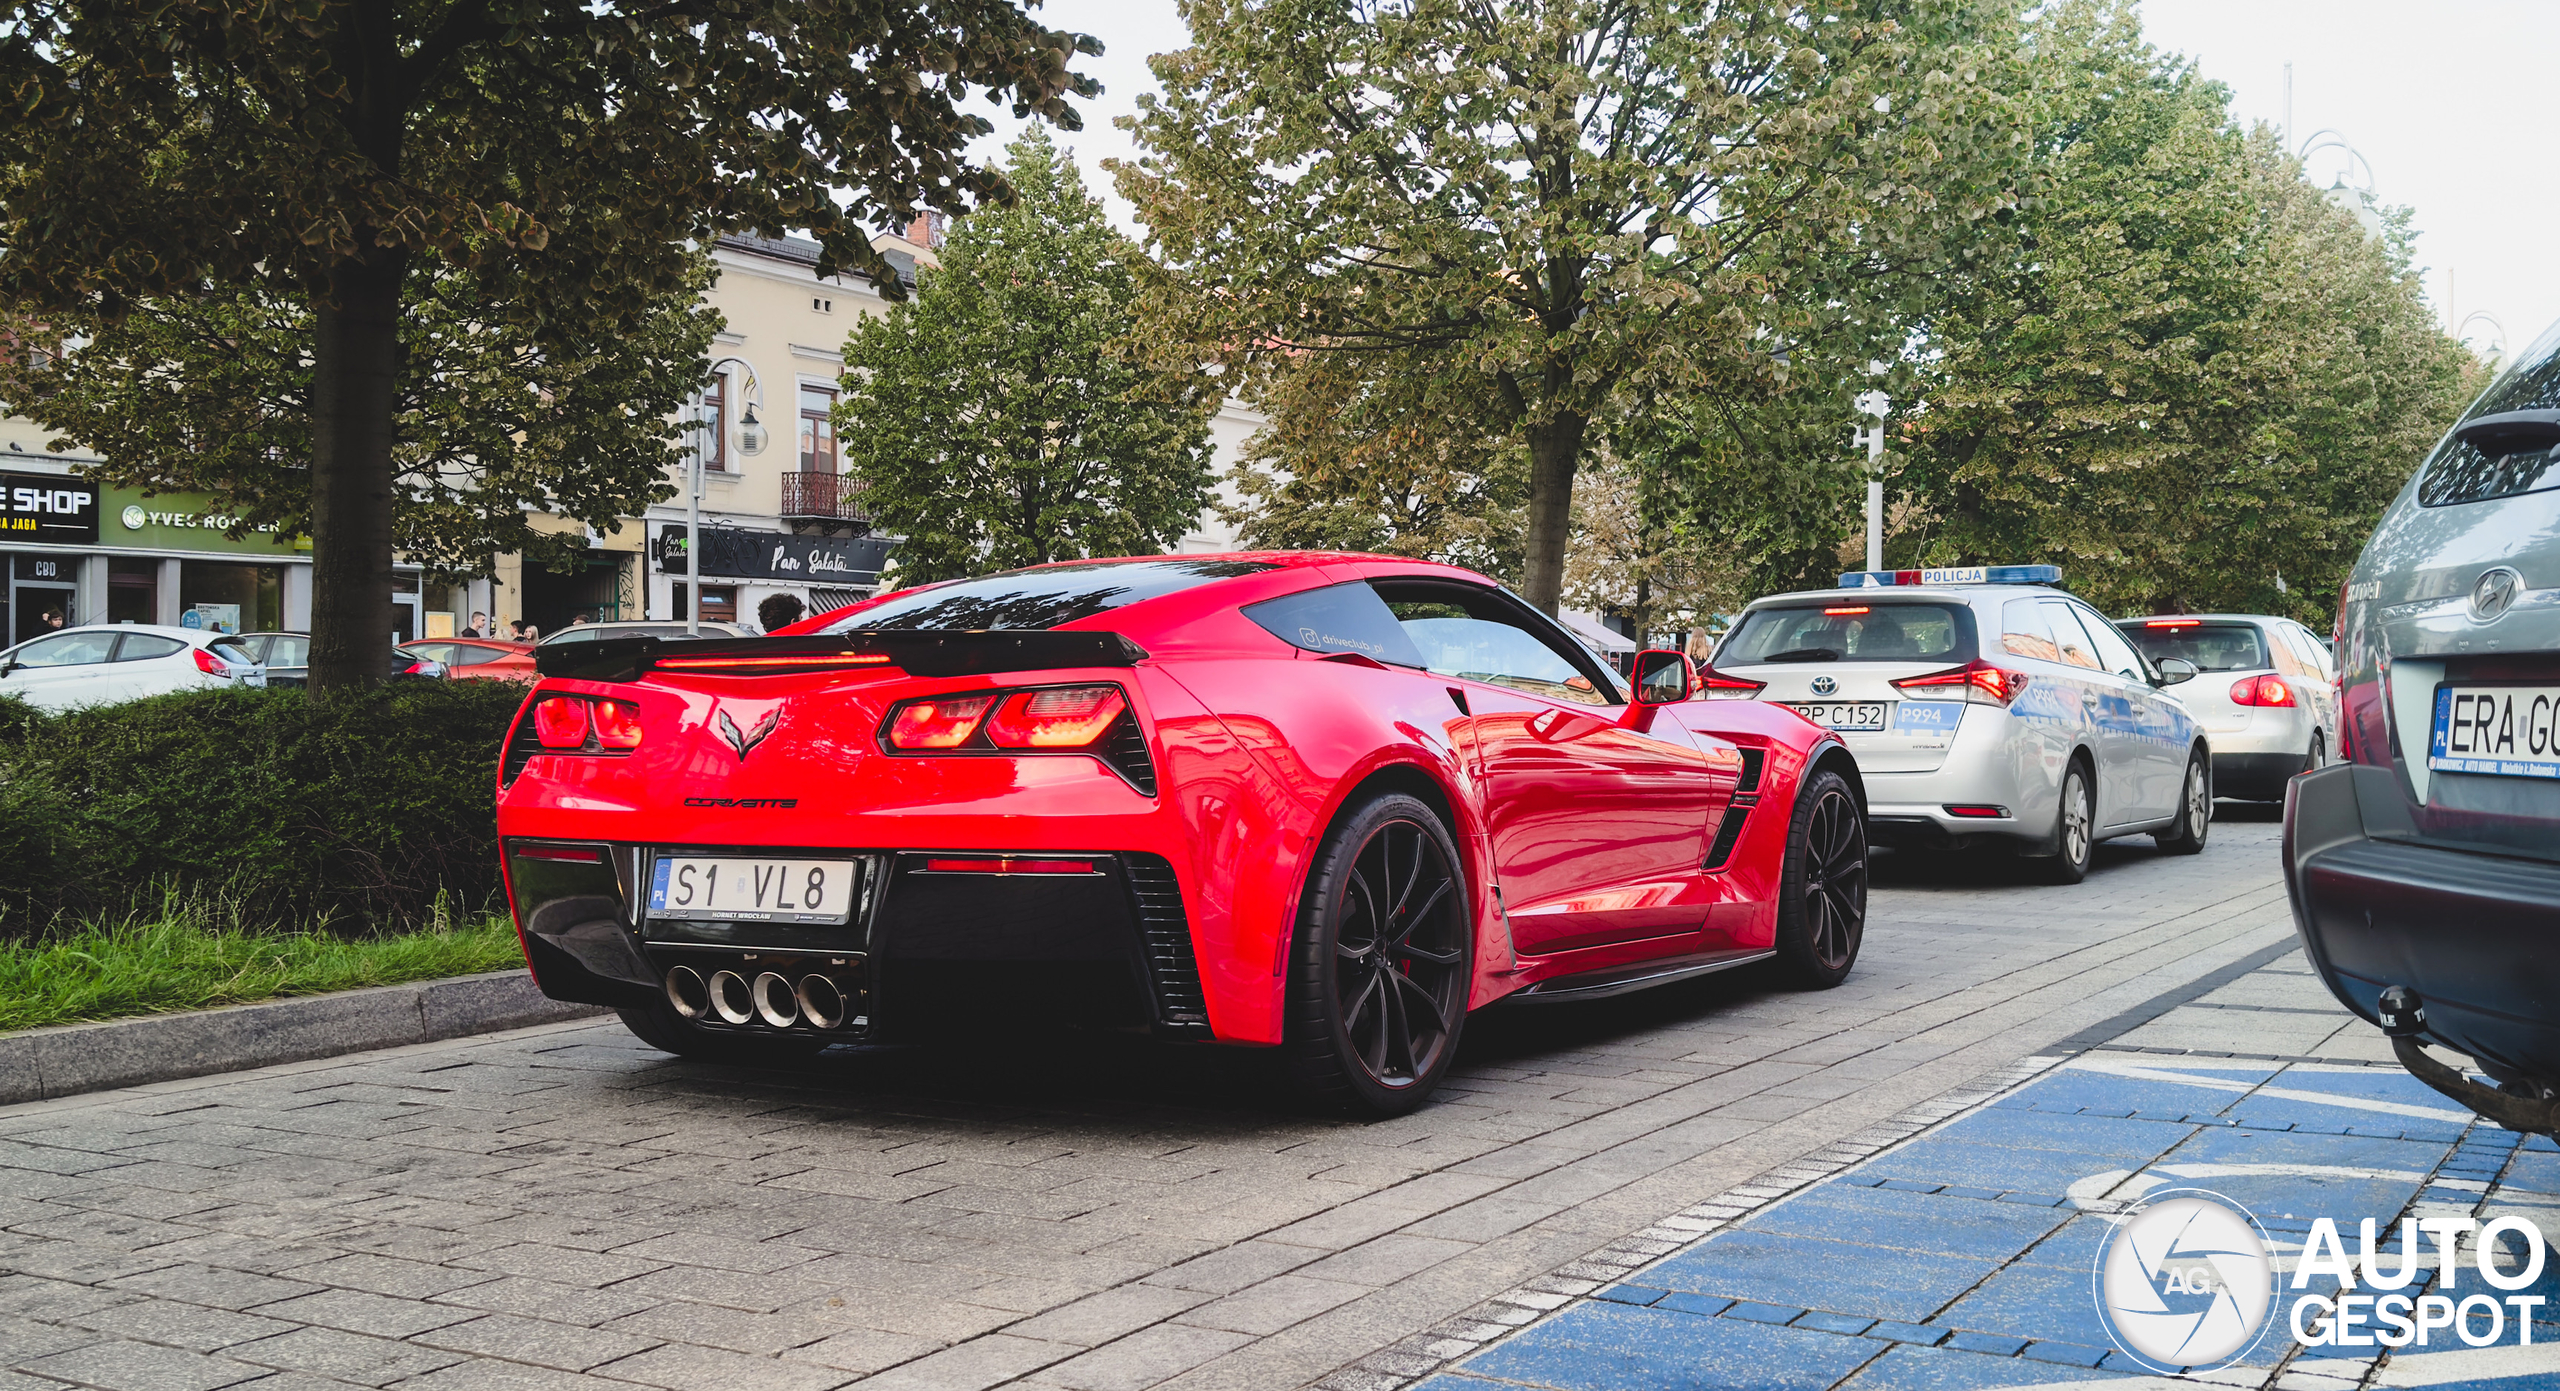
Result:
1591,821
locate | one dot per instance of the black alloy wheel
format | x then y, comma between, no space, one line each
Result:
1822,901
2186,835
1382,963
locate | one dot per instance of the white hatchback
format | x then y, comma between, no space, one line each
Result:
97,666
2267,699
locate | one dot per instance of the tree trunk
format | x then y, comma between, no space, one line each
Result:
1555,451
355,357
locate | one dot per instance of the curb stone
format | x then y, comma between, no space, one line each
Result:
73,1058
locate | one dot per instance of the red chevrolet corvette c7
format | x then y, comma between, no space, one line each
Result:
1323,802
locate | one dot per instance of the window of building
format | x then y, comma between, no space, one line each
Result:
715,419
133,591
817,431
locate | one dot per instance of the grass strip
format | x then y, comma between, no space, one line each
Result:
189,957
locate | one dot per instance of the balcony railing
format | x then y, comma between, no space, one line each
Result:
830,496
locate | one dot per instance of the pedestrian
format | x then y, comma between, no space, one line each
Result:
522,631
479,625
779,611
52,618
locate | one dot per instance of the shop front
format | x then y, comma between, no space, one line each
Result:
80,553
741,569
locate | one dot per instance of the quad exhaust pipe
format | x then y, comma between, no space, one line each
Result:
771,997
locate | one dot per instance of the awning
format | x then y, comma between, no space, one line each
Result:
1594,634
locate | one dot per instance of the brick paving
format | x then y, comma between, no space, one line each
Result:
563,1207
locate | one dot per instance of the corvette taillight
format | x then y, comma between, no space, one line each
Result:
617,724
1978,681
2261,690
1062,717
560,722
944,723
1714,686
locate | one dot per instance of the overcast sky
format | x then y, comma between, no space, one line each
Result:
2433,96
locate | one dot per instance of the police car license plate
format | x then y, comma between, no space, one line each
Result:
2509,731
1843,714
739,889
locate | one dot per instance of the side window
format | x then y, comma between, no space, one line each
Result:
139,647
1476,636
2287,655
431,651
79,649
2024,633
2069,638
2114,653
1337,618
289,652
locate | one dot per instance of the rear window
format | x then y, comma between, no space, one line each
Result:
1042,598
232,650
1849,632
2460,472
2211,646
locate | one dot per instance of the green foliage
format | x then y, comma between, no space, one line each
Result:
161,150
199,951
994,420
2189,374
1561,210
360,810
498,414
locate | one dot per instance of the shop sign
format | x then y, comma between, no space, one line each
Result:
50,508
48,569
181,522
729,553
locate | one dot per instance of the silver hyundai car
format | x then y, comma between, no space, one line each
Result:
1984,706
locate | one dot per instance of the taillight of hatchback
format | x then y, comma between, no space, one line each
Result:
210,664
1978,681
2262,691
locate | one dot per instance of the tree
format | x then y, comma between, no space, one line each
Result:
994,420
492,416
2192,377
330,150
1563,208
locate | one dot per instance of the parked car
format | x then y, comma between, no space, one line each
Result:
490,659
100,665
2270,707
287,659
1324,804
1985,706
2425,871
634,628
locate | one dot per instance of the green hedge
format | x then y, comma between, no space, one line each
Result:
352,812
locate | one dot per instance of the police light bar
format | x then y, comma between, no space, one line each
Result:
1962,574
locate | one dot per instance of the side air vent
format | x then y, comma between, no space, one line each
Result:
1126,751
522,745
1746,795
1164,931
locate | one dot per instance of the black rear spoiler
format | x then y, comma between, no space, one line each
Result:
916,653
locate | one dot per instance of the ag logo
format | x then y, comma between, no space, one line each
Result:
2187,1282
1824,685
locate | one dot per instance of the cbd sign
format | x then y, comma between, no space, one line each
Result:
48,507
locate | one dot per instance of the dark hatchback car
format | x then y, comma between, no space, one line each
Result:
2425,871
287,657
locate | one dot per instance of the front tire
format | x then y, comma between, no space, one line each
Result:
1822,891
2077,831
660,1027
1382,962
2195,808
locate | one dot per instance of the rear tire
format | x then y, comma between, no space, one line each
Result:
2077,831
1382,962
659,1026
2195,808
2319,750
1822,889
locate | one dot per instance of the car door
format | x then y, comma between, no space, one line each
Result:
151,664
2114,736
1598,816
63,669
2145,724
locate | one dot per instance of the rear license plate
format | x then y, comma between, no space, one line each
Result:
1843,714
2508,731
726,888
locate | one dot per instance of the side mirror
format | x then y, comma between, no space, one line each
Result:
1663,677
2174,670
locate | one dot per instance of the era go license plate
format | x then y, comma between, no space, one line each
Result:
2509,731
726,888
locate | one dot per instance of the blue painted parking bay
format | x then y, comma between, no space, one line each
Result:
1965,1257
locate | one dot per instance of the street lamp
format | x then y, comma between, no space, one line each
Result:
2498,341
1877,404
750,443
2356,198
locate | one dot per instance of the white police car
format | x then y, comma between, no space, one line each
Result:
1984,705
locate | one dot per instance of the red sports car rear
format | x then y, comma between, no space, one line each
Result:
1327,803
